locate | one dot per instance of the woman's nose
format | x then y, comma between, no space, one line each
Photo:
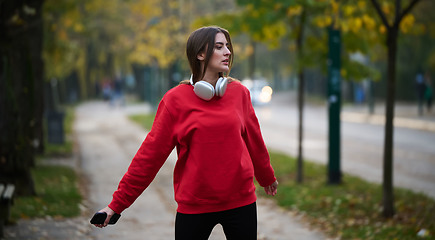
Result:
227,51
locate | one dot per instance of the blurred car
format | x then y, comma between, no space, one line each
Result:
261,92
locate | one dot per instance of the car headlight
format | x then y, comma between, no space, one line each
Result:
266,94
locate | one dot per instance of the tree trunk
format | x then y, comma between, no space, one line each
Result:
388,194
299,49
36,46
139,76
21,76
300,169
251,62
90,64
392,34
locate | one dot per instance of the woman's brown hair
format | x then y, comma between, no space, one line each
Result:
198,42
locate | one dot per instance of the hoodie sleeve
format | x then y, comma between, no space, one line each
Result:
254,142
147,161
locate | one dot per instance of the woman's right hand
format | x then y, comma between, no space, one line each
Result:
272,188
109,213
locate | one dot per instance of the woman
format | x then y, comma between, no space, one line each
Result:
211,122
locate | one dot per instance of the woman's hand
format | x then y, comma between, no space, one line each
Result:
110,213
272,188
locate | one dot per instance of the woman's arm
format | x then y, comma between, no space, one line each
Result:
150,157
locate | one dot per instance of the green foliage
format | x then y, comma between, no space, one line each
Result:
57,195
99,38
272,23
357,71
352,210
145,120
102,38
62,47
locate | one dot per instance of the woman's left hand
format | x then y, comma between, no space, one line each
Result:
272,188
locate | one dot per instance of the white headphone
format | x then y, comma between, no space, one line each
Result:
206,91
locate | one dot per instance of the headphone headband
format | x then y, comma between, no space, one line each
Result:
206,91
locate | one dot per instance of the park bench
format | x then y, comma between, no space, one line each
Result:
6,201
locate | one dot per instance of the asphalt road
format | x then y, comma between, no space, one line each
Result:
362,140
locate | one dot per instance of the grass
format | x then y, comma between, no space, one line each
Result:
351,210
145,120
57,192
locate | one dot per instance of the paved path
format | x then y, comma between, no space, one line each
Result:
108,141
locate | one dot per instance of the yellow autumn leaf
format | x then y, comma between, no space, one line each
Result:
78,27
344,25
355,24
250,7
382,29
361,4
319,22
256,36
323,21
348,10
386,7
334,6
238,49
328,20
294,10
369,22
67,22
407,23
62,35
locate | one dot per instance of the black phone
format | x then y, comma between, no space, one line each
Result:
100,217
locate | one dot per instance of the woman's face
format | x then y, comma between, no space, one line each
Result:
220,59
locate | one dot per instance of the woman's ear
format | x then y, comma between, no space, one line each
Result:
201,56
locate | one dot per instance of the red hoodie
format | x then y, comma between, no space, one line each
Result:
220,150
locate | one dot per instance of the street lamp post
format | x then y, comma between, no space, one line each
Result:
334,105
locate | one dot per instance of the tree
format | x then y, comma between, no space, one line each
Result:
21,94
392,29
269,23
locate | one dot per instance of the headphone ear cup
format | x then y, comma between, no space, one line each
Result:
221,86
204,90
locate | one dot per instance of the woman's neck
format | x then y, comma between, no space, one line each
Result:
211,78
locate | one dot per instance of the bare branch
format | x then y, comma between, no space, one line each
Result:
397,12
406,11
380,13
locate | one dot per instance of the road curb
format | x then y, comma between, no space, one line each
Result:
380,120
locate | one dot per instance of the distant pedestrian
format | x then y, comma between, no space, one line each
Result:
421,87
106,89
211,122
428,93
117,95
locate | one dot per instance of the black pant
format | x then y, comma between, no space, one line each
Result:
239,223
